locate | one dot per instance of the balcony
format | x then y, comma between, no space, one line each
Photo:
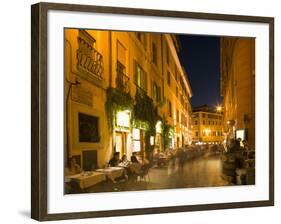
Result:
89,60
122,80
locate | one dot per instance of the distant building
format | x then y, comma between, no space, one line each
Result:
116,67
238,87
207,125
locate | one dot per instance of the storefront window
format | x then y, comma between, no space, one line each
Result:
136,140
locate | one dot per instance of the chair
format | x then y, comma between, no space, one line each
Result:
144,175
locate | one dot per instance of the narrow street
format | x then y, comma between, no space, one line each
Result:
204,171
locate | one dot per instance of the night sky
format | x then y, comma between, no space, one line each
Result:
200,56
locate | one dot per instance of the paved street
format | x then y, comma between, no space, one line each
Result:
204,171
200,172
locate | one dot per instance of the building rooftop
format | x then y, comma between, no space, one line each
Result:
204,108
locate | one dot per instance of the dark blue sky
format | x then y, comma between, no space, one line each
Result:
200,55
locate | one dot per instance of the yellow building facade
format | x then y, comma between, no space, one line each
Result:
238,88
207,126
109,76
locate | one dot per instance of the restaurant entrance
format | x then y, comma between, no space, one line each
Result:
121,142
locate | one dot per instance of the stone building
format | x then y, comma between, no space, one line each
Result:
124,92
238,87
207,125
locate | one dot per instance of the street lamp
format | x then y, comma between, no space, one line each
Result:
219,108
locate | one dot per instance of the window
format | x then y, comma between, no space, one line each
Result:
138,35
167,54
154,53
141,38
169,78
177,116
195,122
156,92
177,92
204,122
196,133
140,77
209,122
121,53
182,100
182,119
136,140
170,109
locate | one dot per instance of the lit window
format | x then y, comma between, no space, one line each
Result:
140,76
136,140
123,119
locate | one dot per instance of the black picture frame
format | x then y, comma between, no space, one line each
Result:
39,105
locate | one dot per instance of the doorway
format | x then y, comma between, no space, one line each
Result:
121,142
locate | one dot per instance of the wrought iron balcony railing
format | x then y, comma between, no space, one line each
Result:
89,60
122,80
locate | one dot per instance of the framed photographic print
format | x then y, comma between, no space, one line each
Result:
138,111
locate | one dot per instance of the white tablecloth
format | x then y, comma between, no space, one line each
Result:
112,172
88,179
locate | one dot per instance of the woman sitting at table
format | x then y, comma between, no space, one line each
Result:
124,162
74,167
134,158
115,160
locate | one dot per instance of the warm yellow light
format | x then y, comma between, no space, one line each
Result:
123,118
136,134
219,108
207,131
151,140
158,127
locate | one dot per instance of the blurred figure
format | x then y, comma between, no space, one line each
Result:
74,167
181,159
245,145
134,158
114,161
233,161
124,162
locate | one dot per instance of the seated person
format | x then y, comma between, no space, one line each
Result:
74,167
124,161
115,159
134,158
156,155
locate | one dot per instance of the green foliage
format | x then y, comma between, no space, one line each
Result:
117,101
168,132
145,113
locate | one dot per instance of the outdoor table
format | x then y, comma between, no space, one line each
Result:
88,179
112,172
